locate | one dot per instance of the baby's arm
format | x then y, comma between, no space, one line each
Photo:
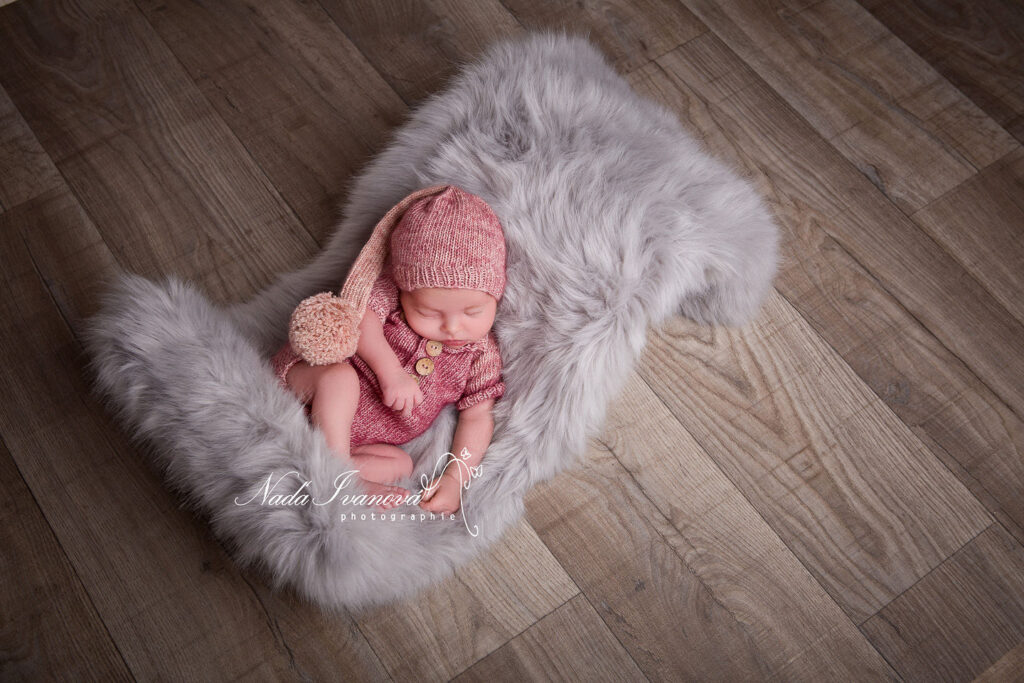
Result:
374,348
398,388
473,432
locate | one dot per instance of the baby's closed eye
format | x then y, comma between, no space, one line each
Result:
432,314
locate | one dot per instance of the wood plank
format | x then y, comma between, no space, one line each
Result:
630,34
666,549
50,628
906,128
800,631
1009,668
571,643
981,222
292,87
169,596
931,362
861,502
978,45
418,45
25,169
446,628
960,619
164,179
613,543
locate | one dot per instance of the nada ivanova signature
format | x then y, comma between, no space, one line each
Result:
301,496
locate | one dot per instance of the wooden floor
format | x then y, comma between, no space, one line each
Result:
835,492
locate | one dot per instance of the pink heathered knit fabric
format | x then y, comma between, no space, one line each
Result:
464,375
450,239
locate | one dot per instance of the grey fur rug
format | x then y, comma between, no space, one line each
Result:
615,218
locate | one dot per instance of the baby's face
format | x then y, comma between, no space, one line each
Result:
452,316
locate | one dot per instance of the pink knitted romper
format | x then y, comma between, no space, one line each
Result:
441,236
464,375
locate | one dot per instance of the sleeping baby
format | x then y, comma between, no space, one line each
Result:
409,335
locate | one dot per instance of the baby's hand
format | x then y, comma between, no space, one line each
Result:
401,392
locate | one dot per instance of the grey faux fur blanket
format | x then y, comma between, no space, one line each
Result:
614,219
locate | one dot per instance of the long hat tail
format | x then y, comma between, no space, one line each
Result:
368,265
324,328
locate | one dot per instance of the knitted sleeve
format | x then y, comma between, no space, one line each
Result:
484,377
383,297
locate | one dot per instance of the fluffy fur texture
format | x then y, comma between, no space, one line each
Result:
614,217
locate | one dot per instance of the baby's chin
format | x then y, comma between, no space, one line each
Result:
458,343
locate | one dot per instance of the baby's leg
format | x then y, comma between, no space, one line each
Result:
334,390
382,462
335,393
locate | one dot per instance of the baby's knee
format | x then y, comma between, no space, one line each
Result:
341,375
400,465
398,462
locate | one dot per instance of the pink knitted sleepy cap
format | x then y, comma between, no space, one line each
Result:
440,236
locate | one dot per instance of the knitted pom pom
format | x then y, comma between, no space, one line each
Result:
324,329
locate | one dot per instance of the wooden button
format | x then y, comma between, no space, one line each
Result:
415,377
424,366
434,348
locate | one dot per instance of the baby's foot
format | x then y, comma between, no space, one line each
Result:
398,494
